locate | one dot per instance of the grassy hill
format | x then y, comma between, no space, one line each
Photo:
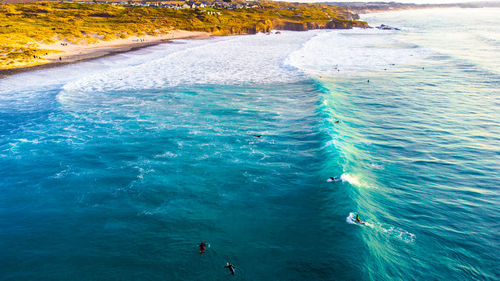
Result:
23,26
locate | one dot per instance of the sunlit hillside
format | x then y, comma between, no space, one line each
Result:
24,26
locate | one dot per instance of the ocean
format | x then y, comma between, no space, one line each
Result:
117,168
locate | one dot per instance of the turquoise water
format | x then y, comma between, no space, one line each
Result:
116,169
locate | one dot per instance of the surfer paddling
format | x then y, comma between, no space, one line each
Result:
230,267
203,247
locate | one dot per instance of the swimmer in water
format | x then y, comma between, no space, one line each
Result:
203,246
358,220
230,267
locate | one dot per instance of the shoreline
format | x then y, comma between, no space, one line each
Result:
75,53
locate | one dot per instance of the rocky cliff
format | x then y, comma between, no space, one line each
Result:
267,26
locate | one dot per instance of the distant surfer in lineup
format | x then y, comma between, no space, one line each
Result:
359,221
230,267
332,179
203,247
257,136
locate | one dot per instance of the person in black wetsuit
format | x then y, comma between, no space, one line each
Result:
331,179
203,246
230,267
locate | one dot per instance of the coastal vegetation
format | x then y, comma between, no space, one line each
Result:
24,26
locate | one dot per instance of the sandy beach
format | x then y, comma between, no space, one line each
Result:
70,53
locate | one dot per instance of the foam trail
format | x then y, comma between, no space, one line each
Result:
358,181
350,179
395,232
351,219
390,230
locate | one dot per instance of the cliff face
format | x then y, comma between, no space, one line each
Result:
296,26
268,25
335,24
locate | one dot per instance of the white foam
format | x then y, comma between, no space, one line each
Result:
260,58
350,179
167,154
352,52
29,90
396,232
251,59
231,60
357,180
351,219
43,78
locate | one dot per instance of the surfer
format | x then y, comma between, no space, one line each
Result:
330,179
257,136
203,246
230,267
358,220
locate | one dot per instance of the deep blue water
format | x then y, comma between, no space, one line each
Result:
117,169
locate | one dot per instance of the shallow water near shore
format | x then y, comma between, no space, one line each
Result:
116,169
